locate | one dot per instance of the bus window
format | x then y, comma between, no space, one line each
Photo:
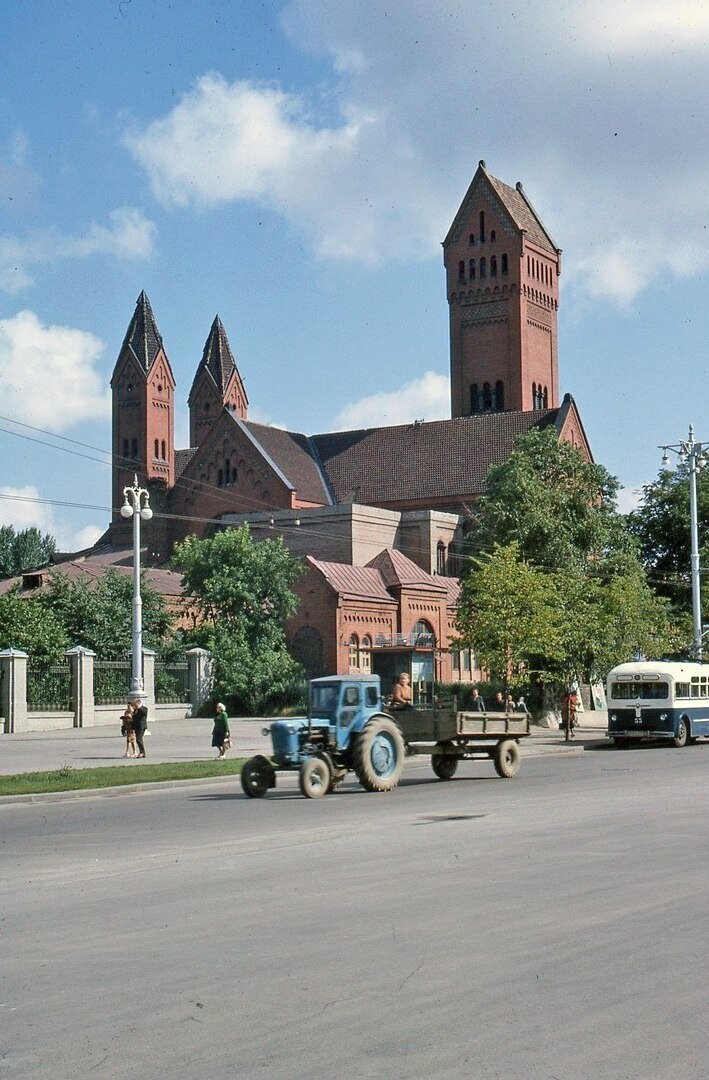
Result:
681,689
629,691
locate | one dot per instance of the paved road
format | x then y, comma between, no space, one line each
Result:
547,927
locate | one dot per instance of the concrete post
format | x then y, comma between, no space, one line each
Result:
149,679
200,677
13,706
81,662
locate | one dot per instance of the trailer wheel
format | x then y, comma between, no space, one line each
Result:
257,776
682,735
314,778
445,766
379,755
507,758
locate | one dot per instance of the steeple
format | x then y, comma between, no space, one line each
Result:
502,270
217,385
143,389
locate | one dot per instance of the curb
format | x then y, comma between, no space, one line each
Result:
528,750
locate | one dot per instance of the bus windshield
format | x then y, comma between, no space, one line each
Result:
649,691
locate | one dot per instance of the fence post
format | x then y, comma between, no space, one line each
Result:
81,662
14,690
199,677
149,679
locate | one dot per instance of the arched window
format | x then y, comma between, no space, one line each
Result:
365,655
482,226
162,450
157,449
493,236
503,268
461,270
126,448
354,652
423,635
499,395
487,396
534,396
227,471
546,399
471,238
474,398
471,269
493,266
483,268
441,558
220,478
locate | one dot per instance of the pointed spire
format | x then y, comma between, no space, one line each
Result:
143,337
217,357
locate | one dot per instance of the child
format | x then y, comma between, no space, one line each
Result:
127,730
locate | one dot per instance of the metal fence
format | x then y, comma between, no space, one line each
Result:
49,688
111,681
171,682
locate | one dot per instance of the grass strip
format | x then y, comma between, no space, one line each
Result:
67,778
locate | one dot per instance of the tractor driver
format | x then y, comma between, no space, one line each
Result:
401,697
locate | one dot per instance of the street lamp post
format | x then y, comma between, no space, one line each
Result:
137,506
694,455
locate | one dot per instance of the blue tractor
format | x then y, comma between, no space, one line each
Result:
347,729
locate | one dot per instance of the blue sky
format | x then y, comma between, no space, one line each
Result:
294,167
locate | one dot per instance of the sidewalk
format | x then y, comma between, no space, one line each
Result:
190,740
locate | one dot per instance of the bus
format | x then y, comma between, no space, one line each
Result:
651,700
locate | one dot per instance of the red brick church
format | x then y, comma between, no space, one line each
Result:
377,513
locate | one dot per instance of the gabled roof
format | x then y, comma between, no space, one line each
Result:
353,582
217,361
435,460
142,336
513,200
91,566
296,457
398,571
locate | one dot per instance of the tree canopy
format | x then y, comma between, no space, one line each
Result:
24,550
26,624
242,590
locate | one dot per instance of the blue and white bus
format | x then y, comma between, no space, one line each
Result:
658,700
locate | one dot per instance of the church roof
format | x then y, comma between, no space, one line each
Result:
390,570
142,336
296,457
217,359
436,460
514,201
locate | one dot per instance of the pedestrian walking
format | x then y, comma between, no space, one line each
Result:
569,704
478,703
522,707
127,729
140,723
221,736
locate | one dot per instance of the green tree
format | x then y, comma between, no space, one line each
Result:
661,526
507,615
24,550
26,624
558,507
98,614
242,590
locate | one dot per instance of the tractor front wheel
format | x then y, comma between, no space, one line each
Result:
314,778
257,776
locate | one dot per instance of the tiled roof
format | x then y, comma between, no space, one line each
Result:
217,359
93,566
296,458
523,213
182,460
434,460
357,582
398,570
142,336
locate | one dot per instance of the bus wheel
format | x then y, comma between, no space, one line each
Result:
682,735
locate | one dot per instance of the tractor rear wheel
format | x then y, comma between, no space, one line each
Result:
379,755
314,778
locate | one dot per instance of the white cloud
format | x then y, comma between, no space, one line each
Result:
130,235
598,108
427,398
629,499
23,508
47,373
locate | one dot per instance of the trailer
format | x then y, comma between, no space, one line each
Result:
349,728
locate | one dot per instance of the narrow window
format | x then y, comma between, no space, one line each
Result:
499,395
134,449
471,269
493,266
233,477
474,398
227,470
354,653
493,236
220,478
461,270
546,398
441,558
471,238
529,274
487,396
157,449
482,226
455,661
162,450
126,448
534,396
365,654
483,268
504,264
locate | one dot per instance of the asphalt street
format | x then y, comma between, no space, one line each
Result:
552,926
